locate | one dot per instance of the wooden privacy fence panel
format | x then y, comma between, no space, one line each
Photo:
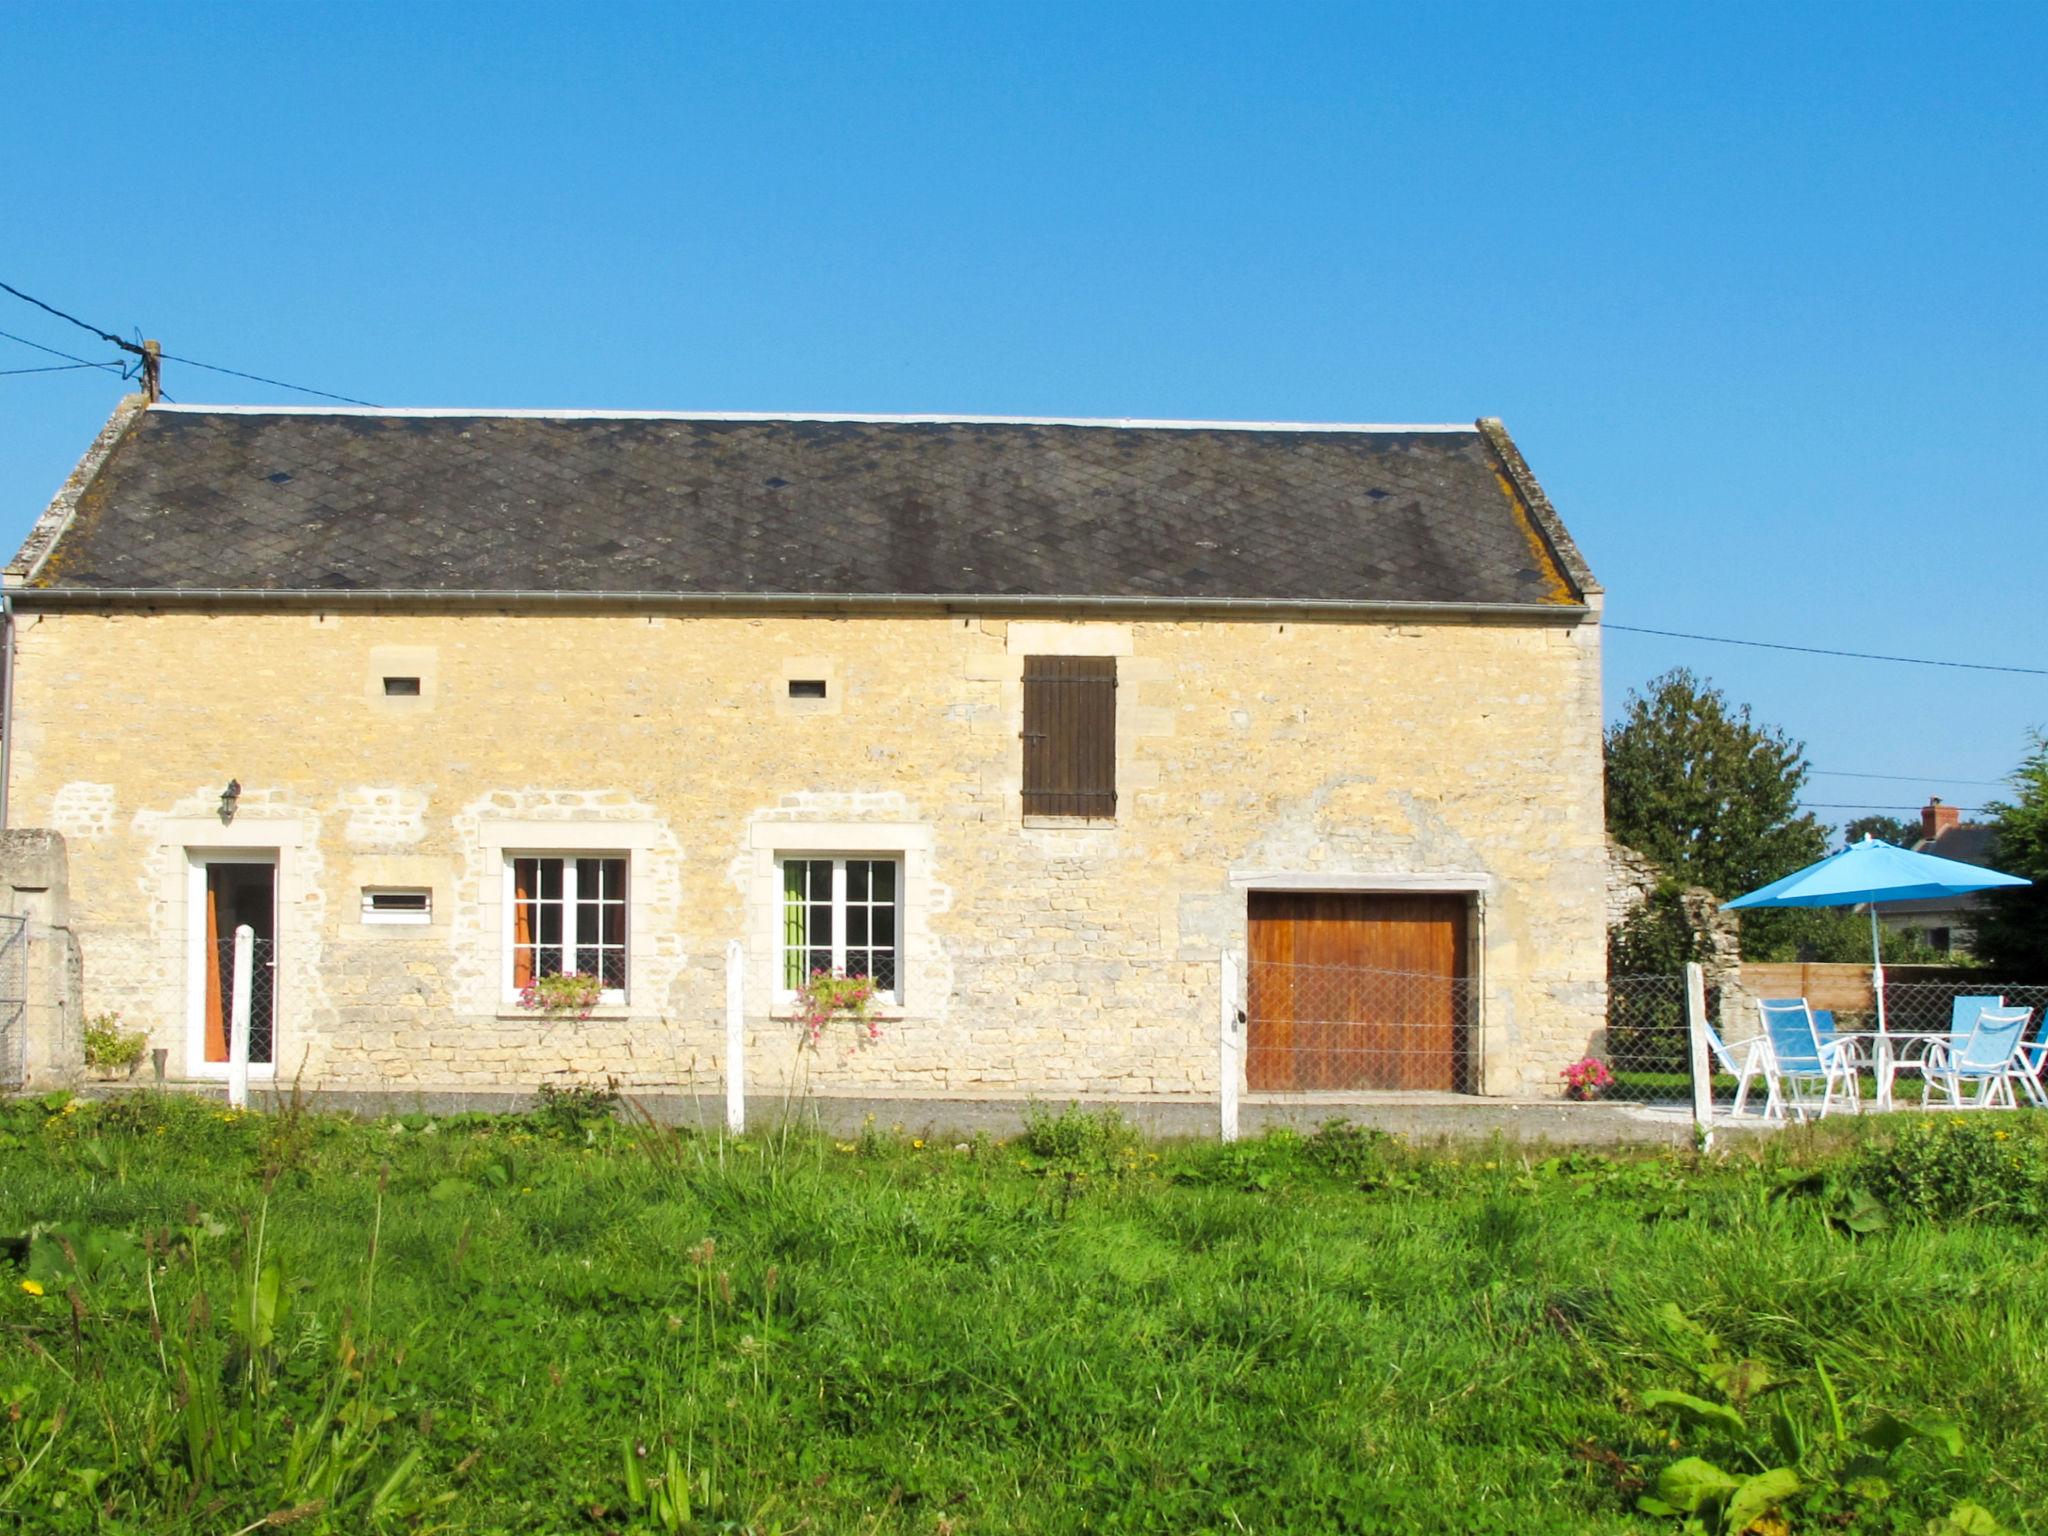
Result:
1070,736
1844,988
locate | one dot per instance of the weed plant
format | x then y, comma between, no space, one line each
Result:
214,1322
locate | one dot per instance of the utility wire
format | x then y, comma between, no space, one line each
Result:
1816,650
277,383
1873,805
68,356
1904,778
8,373
129,346
50,309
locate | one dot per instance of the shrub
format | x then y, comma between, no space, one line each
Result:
1077,1139
1344,1150
576,1112
1962,1167
109,1047
1267,1162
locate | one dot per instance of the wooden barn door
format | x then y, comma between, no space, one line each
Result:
1350,991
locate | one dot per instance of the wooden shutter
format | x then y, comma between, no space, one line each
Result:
1070,736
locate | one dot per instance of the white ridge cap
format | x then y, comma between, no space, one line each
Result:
820,416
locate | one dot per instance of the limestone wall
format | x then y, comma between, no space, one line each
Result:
42,1039
1039,958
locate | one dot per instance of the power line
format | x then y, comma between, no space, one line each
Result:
1876,805
138,350
1907,779
69,356
1817,650
51,309
8,373
278,383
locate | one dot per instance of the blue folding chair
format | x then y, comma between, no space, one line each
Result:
1799,1058
2031,1063
1915,1055
1989,1060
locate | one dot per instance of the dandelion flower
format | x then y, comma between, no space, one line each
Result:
33,1287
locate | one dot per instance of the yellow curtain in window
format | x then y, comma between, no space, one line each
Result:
522,927
216,1029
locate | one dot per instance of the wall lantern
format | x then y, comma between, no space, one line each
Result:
228,799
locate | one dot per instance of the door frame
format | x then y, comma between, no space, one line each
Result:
1476,887
197,861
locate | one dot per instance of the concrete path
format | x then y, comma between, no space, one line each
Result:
1421,1117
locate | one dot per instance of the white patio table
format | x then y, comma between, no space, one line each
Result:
1882,1048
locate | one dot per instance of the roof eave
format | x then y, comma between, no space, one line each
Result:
236,598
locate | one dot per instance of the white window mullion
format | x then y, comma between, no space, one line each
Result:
572,955
839,917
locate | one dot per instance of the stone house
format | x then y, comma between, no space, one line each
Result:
1034,722
1947,923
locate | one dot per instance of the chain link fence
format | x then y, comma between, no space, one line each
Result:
262,998
1930,1006
1348,1029
13,1001
1647,1048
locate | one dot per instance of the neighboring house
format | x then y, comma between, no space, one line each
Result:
1947,923
1032,721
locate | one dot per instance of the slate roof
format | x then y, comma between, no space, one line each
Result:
274,501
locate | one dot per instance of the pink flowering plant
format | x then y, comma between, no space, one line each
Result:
569,995
826,996
1586,1079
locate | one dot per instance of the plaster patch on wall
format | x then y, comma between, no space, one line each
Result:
657,959
83,809
819,822
384,818
266,820
841,805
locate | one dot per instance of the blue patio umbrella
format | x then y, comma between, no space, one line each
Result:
1868,873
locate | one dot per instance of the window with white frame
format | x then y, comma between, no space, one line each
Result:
844,916
566,913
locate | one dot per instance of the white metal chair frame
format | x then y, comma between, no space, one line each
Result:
2029,1063
1915,1055
1747,1062
1833,1062
1990,1058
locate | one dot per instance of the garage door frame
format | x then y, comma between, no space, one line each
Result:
1476,888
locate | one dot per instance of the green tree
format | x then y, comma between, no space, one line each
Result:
1886,829
1706,793
2013,936
1656,939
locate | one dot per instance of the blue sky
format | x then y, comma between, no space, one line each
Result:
1758,289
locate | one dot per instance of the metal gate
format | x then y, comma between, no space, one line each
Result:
13,1001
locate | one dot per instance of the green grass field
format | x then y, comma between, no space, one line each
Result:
229,1323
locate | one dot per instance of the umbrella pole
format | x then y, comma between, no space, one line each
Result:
1876,968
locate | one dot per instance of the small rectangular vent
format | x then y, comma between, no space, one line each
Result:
807,687
401,687
398,905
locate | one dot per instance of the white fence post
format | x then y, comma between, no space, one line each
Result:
735,1038
238,1019
1230,1045
1700,1054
